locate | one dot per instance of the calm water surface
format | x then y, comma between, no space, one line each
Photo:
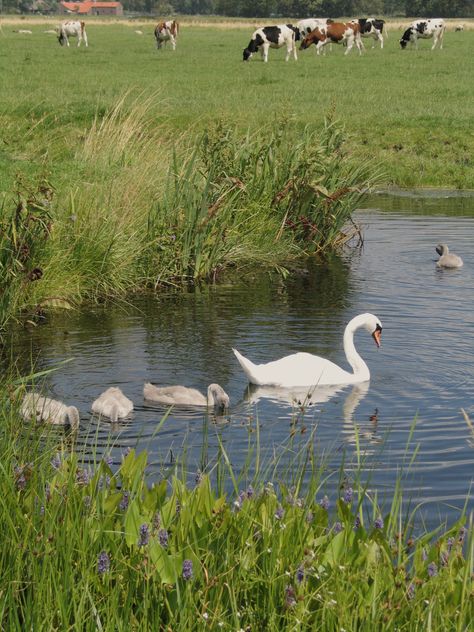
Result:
423,370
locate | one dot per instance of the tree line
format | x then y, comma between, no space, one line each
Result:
273,8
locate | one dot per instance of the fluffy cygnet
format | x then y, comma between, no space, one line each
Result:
113,404
40,408
446,259
184,396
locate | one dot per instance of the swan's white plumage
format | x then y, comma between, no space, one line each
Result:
447,259
40,408
305,369
113,404
177,395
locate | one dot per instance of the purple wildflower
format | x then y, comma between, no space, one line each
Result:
108,460
444,558
126,452
337,527
20,478
163,537
290,597
124,502
309,517
357,523
424,554
324,502
87,500
348,494
250,491
432,569
104,481
156,522
144,535
279,513
103,563
187,570
378,524
462,534
300,574
198,478
449,544
411,591
56,461
82,476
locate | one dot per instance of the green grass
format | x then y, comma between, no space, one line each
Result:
278,556
409,110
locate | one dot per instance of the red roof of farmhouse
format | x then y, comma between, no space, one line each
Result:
85,7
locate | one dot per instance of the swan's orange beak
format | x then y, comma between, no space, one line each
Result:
377,336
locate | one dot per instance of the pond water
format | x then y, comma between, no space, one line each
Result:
423,370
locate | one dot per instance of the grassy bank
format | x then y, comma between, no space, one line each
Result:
139,210
94,546
409,110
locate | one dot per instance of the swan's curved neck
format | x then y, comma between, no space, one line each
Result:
359,367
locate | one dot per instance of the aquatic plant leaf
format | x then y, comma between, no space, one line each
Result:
165,565
133,521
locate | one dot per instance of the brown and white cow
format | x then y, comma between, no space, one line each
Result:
72,28
337,32
167,32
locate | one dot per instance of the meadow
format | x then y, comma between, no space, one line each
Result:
409,111
123,169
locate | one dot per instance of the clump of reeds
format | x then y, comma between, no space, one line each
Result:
141,209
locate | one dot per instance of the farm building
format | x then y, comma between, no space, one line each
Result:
89,7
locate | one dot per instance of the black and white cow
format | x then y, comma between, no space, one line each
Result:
306,26
372,27
72,28
272,37
424,29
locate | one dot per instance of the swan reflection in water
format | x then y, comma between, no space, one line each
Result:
306,397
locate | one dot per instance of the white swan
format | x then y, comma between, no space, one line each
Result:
446,259
184,396
305,369
40,408
113,404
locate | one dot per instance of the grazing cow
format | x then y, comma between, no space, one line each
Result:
424,29
72,28
272,37
337,32
372,27
167,32
306,26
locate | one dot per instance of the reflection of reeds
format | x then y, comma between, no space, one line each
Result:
87,538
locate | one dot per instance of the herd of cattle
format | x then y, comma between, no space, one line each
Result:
319,32
326,31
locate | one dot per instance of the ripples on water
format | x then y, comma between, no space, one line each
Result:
423,369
